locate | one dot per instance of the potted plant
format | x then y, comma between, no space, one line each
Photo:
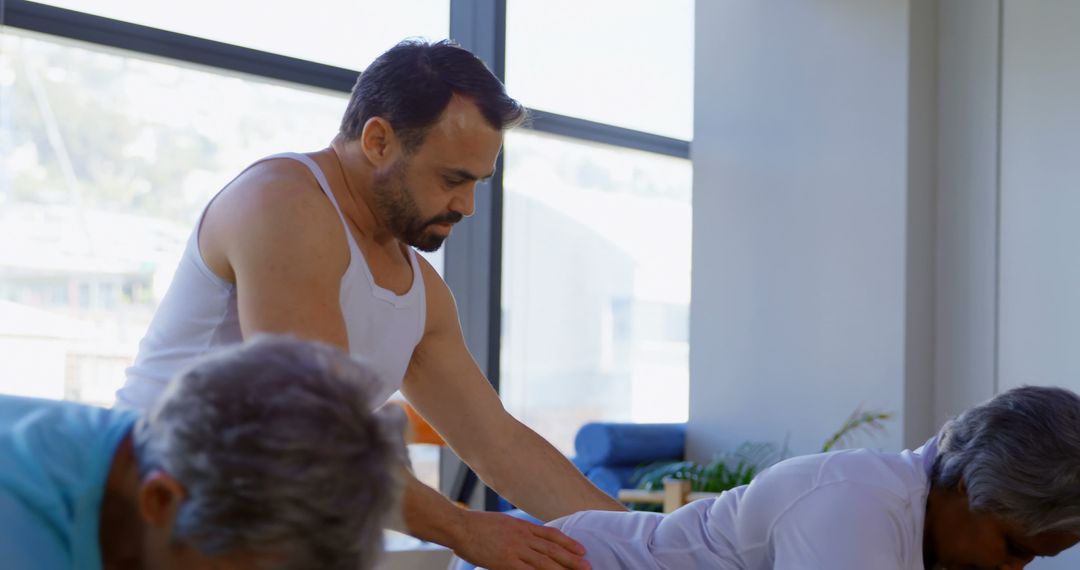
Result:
731,469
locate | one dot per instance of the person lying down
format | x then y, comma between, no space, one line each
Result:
997,487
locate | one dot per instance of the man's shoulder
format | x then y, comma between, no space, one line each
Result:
276,187
53,461
18,414
275,205
433,282
867,474
897,473
52,448
846,509
440,306
60,425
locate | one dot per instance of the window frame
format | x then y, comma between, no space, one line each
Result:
473,262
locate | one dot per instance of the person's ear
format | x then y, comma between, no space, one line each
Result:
159,498
378,140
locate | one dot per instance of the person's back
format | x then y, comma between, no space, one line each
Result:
54,461
805,512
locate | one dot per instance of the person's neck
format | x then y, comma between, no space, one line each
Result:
939,503
120,530
357,173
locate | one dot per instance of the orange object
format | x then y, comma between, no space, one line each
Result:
419,430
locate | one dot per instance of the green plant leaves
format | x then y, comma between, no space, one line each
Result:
732,469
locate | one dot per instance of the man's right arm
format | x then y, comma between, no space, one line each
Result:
489,540
281,243
284,247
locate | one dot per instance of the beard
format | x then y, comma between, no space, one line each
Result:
396,206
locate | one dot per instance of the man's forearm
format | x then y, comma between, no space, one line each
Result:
430,516
488,540
530,473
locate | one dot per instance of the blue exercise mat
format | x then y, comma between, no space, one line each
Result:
629,445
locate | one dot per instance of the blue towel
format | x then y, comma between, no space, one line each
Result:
629,445
611,479
581,465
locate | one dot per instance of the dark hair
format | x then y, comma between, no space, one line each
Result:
411,84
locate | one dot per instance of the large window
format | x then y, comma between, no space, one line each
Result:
596,285
344,33
596,231
627,63
108,159
119,121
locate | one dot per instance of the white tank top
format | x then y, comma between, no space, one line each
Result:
198,314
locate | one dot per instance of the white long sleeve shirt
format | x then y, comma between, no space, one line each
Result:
856,509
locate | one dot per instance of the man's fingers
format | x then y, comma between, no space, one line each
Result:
562,558
553,535
539,560
518,545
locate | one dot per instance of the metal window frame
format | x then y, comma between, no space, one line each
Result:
473,262
477,24
474,256
54,21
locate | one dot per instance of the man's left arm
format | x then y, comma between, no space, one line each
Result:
447,387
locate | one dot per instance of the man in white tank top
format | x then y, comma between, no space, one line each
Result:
320,245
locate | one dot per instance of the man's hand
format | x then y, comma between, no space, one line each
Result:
501,542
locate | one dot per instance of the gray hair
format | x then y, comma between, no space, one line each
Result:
279,453
1018,456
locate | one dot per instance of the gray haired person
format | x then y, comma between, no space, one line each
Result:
262,456
997,487
1005,485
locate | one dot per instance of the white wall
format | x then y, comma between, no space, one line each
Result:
886,211
966,280
916,417
802,163
1039,308
1040,194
